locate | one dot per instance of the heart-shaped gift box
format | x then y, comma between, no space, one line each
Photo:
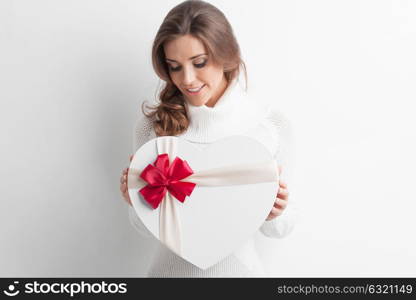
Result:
205,216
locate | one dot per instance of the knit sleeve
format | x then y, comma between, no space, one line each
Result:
141,134
282,225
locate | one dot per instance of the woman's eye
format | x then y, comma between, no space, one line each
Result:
174,69
201,65
178,68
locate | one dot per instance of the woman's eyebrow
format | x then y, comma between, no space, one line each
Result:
189,58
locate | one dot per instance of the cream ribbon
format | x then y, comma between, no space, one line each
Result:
169,224
169,219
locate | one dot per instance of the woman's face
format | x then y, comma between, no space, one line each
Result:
191,68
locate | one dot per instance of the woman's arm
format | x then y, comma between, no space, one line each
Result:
141,134
282,225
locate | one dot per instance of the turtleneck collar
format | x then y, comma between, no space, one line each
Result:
231,115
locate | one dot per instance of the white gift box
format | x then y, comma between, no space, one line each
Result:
236,184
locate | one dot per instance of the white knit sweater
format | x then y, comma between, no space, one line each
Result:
234,113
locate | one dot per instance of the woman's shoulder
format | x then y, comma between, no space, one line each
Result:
278,118
143,123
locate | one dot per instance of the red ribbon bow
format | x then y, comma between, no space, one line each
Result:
162,178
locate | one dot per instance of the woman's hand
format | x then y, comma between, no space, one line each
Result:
281,201
123,184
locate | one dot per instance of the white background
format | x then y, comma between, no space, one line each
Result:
74,73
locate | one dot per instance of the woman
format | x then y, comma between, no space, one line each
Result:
196,54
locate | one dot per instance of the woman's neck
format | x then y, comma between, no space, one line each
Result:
220,91
232,114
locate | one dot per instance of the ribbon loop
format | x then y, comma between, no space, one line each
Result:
162,177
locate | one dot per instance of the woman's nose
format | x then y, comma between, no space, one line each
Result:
188,76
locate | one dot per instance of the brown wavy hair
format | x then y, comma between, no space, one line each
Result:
207,23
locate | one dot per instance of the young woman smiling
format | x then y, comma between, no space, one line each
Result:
196,54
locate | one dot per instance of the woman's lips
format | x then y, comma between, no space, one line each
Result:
194,93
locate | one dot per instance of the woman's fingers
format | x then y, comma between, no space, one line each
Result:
274,213
128,201
123,189
124,175
123,181
280,203
269,217
126,197
123,184
283,194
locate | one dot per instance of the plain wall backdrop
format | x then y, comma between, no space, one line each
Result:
73,76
